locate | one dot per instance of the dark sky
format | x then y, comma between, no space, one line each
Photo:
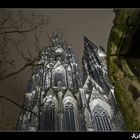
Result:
95,24
92,23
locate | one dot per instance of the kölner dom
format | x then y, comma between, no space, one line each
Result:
59,98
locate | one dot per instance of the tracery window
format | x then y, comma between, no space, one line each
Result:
59,76
48,117
101,119
69,117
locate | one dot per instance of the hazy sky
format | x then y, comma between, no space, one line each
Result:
94,24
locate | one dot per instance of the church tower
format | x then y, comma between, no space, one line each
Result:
53,91
99,97
58,98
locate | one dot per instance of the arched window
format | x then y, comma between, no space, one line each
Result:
48,113
101,119
59,75
59,79
69,117
49,116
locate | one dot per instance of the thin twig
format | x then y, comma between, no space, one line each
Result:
21,69
8,99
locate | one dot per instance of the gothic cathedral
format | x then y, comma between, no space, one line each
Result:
60,98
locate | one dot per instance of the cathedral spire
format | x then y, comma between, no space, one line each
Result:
65,103
57,39
89,44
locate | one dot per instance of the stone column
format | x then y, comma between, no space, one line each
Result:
60,112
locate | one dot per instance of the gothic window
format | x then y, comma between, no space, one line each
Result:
101,119
49,115
58,57
59,76
69,117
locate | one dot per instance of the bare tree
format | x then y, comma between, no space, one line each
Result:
16,27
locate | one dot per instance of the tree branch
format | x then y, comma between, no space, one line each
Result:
8,62
20,106
21,69
21,31
16,31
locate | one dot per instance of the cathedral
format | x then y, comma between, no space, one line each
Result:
61,98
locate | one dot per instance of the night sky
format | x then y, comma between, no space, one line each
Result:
92,23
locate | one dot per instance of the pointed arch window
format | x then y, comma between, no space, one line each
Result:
47,121
69,117
49,116
101,119
59,76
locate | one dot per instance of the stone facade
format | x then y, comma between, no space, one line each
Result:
59,98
